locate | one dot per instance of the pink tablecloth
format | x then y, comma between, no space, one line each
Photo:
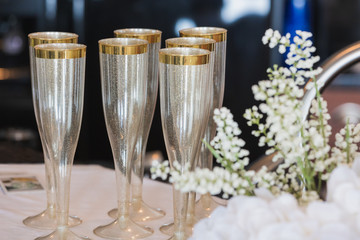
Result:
92,195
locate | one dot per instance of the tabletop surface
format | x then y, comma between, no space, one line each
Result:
92,195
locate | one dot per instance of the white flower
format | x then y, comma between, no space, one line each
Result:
343,188
335,231
160,170
324,212
267,217
282,231
282,49
219,226
255,213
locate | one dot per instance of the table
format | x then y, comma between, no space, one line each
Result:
92,195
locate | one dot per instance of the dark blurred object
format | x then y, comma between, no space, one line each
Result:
17,122
297,16
13,41
336,25
18,136
12,153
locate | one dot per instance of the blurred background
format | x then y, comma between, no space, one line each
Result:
335,24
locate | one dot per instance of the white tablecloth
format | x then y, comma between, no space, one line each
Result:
92,195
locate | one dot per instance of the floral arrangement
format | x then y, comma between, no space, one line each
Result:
301,147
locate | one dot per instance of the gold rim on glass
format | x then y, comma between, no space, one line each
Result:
51,37
191,42
184,56
123,46
60,51
150,35
216,33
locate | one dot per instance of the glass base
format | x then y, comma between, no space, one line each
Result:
205,206
179,236
168,229
125,229
141,213
62,234
47,220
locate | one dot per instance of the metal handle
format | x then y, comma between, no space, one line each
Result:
338,62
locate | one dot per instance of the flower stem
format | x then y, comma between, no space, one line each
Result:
347,137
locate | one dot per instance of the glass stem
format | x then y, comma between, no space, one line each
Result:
136,196
206,161
49,186
180,214
62,187
190,218
137,176
206,200
49,183
123,190
206,157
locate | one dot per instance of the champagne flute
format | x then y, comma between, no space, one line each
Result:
140,211
124,66
185,106
47,218
206,204
203,43
60,72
